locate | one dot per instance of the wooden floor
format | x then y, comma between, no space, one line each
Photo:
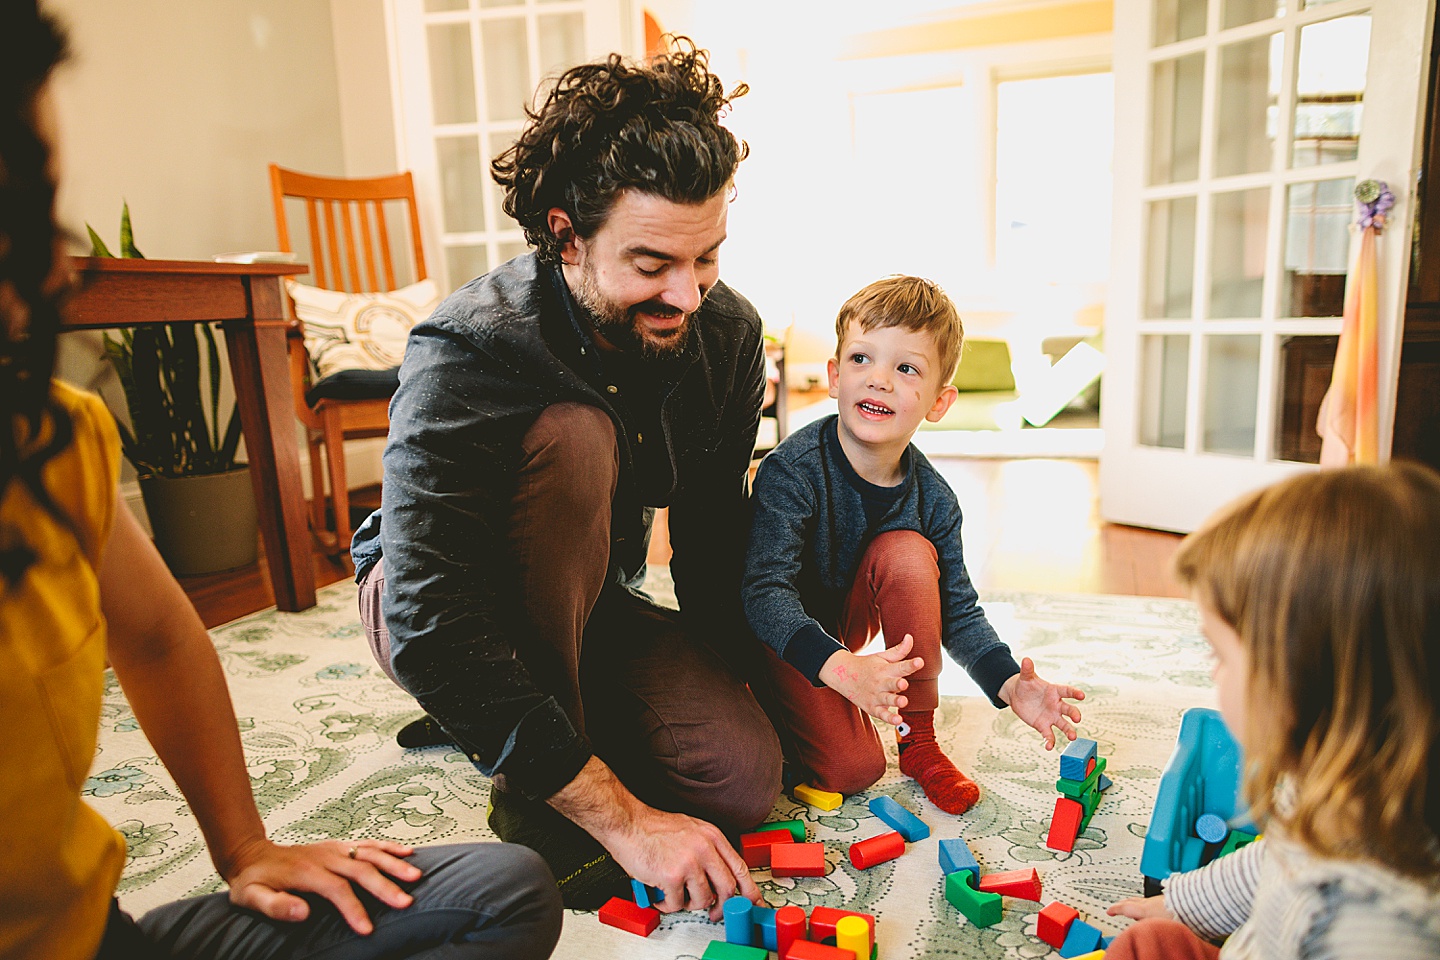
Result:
1029,525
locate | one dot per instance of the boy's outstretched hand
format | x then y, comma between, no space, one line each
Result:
874,682
1041,703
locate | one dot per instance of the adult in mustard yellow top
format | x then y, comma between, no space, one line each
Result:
80,582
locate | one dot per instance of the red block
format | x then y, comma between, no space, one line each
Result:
798,859
638,920
755,847
867,853
806,950
789,927
1054,923
823,920
1089,768
1065,824
1024,884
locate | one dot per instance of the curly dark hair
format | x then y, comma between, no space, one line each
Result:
619,125
31,45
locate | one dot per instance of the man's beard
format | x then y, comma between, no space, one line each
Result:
620,325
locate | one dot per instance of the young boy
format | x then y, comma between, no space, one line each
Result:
854,530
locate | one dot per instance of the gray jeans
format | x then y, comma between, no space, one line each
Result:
491,900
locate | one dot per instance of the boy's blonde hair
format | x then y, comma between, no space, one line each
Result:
910,302
1332,582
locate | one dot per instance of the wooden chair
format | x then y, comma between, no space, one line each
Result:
348,229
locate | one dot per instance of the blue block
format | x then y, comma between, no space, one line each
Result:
1081,939
955,856
1076,758
1105,942
764,920
738,926
1105,783
1211,828
902,821
646,896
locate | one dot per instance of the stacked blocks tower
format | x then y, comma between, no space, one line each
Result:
1079,786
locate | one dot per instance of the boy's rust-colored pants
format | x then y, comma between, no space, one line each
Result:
898,588
679,729
1160,939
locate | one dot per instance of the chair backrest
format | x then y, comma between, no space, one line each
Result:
348,227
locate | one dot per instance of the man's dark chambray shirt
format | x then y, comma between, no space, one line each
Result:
475,376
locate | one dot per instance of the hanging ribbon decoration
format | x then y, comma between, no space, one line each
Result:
1349,420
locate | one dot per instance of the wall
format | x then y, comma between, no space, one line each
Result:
177,107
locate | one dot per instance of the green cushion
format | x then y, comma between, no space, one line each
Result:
984,365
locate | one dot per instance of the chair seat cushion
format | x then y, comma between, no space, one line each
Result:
364,331
355,385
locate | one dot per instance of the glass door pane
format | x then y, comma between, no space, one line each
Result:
1317,247
1170,259
1178,20
507,68
452,73
1306,364
1240,12
1238,225
1232,389
1176,89
1249,94
1330,91
1164,381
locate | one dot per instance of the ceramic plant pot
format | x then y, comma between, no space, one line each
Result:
205,523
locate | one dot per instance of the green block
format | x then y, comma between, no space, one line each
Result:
982,909
1236,840
796,828
720,950
1090,799
1075,789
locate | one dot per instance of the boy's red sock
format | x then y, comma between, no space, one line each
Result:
922,760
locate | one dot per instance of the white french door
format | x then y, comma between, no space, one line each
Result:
1242,127
465,70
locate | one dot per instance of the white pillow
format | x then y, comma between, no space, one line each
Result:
364,331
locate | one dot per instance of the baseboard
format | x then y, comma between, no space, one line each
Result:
362,468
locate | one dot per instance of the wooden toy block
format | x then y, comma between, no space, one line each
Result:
1052,924
955,855
1105,782
1096,955
789,927
1210,828
820,799
808,950
1236,840
1090,799
739,927
909,826
1024,884
1075,789
1065,824
1105,942
981,909
629,917
823,921
797,860
1081,938
755,847
796,828
867,853
853,934
646,896
1075,761
720,950
764,920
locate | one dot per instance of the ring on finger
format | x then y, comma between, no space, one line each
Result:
353,851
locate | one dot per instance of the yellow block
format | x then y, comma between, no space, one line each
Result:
1091,956
853,934
822,799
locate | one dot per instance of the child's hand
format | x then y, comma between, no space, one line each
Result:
873,682
1141,908
1041,703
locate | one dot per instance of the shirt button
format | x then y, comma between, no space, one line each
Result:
612,389
639,438
582,351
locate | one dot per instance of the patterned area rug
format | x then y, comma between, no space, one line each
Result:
318,721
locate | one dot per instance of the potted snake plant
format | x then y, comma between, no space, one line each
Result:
199,498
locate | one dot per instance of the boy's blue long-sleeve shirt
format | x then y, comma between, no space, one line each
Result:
808,534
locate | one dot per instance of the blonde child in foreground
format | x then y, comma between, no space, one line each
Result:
1320,597
853,531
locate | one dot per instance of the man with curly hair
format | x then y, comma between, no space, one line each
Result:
545,410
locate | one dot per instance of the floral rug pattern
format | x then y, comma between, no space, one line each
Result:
318,721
